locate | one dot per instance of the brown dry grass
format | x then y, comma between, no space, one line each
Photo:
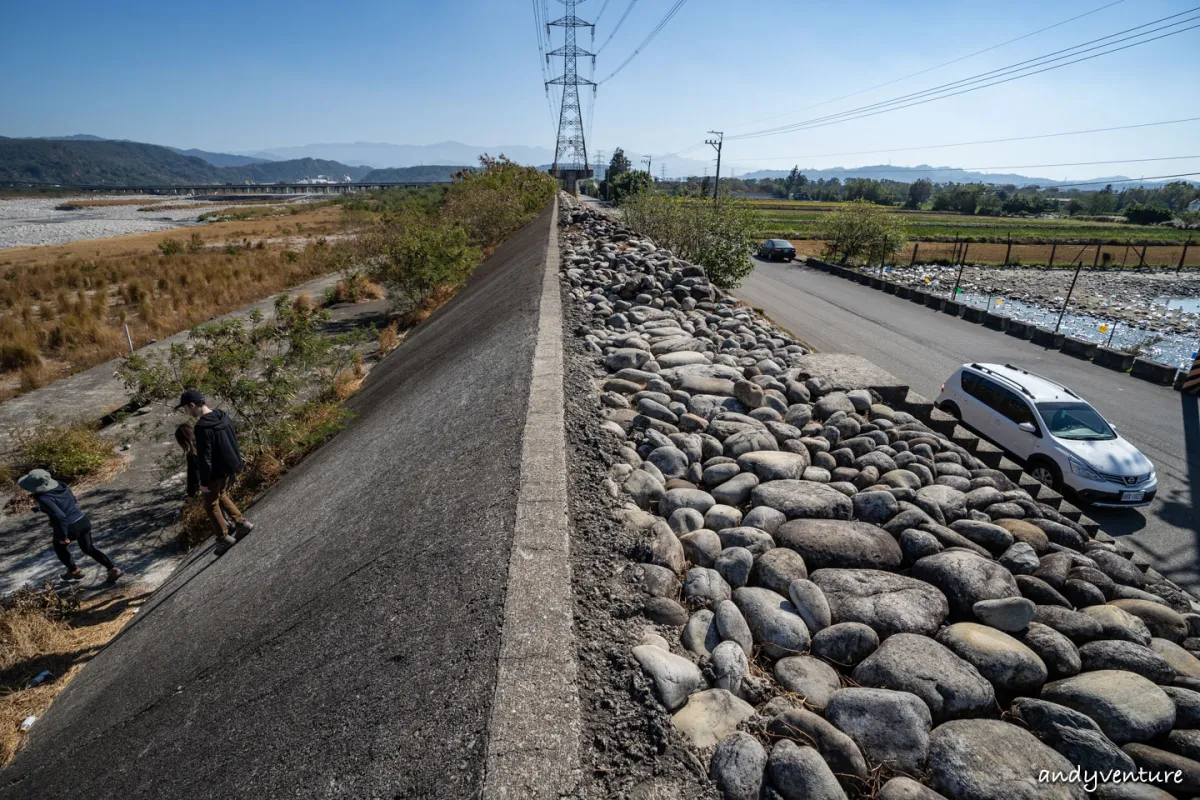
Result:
47,631
71,205
63,308
1064,254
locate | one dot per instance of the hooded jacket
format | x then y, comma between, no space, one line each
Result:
216,447
59,504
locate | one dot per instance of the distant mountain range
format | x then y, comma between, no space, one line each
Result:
382,154
937,175
86,159
101,162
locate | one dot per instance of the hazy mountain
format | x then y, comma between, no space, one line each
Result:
220,159
422,174
382,154
75,137
103,162
937,175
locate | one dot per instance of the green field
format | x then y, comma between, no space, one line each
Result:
799,220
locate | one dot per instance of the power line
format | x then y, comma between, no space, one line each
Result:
936,66
600,13
1124,180
943,92
628,8
657,29
967,144
1011,166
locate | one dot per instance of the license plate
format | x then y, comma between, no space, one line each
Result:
1132,497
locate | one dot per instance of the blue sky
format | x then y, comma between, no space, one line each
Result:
250,75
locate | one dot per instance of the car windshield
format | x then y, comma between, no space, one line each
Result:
779,243
1075,421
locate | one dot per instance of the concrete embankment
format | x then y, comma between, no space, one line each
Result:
350,646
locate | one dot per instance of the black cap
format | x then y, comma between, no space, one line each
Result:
190,397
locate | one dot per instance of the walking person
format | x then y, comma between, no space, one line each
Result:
68,522
218,461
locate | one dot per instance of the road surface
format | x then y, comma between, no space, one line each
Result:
922,347
348,648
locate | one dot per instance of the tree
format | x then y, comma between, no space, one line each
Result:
862,230
919,192
626,184
617,165
717,236
1140,214
794,182
990,205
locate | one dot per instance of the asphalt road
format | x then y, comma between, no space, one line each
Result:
922,347
347,648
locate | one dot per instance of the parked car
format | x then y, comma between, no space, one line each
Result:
776,250
1062,441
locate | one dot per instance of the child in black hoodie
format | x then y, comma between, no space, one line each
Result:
68,522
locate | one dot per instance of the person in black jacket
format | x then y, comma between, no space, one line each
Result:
68,522
218,461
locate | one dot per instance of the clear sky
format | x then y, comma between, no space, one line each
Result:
256,74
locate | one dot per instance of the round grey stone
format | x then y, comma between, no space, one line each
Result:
887,602
984,759
738,765
732,627
1020,559
1055,650
777,568
891,728
845,644
908,662
1011,614
809,677
734,564
1136,658
674,677
803,500
839,543
704,587
1127,707
799,773
965,578
720,517
810,603
773,622
1012,668
764,518
686,520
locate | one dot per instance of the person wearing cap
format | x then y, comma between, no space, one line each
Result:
67,520
218,461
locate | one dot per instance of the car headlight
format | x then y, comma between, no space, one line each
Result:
1083,469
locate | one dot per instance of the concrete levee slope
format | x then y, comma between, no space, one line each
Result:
348,648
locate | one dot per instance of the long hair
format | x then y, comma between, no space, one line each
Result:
185,434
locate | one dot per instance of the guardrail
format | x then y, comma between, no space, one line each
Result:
1136,366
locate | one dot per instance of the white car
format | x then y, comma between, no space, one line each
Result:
1062,441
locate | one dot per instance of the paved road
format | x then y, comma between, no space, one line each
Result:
922,347
348,648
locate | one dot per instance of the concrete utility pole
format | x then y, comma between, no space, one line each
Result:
570,153
647,161
717,144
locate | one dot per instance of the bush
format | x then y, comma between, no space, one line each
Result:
195,244
170,247
1139,214
860,230
495,201
716,235
354,288
68,451
414,257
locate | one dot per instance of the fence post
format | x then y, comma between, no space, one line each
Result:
966,247
1126,256
1008,252
1097,259
1053,248
1142,257
916,247
1183,255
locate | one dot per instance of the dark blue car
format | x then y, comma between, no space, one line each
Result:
776,250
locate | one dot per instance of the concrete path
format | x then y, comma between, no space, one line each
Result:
350,646
923,347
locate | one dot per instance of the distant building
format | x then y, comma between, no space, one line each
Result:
1194,205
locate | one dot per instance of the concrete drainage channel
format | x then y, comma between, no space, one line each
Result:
794,578
1116,360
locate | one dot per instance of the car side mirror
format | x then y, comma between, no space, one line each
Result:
1027,427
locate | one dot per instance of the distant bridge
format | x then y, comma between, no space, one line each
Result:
228,188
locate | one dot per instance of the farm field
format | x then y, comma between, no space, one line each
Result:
799,220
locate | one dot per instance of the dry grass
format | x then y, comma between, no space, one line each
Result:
354,289
389,339
64,308
72,205
45,630
439,298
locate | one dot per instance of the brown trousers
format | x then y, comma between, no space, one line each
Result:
214,500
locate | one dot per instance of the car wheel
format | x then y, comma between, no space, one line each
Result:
1046,473
951,408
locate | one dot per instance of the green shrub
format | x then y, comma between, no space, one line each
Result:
195,244
1140,214
495,201
170,247
859,230
414,257
67,450
718,236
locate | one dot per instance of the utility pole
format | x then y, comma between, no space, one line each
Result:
717,144
662,168
570,151
647,161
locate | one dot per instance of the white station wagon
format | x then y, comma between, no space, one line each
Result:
1062,441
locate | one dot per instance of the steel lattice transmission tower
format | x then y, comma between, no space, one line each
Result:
570,154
